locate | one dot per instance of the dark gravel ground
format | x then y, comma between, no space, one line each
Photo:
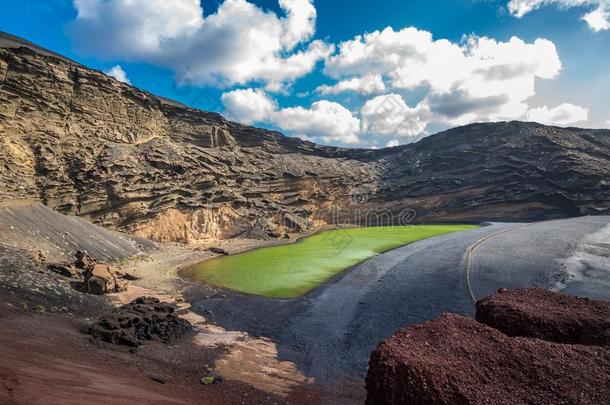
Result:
28,285
38,228
570,255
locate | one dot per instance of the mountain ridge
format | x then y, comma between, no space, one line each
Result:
85,144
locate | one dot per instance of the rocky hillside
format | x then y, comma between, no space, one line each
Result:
83,143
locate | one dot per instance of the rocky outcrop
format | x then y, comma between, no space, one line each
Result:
96,278
218,251
65,269
86,144
142,320
103,279
546,315
456,360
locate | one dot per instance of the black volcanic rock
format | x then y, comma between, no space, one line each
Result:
86,144
143,319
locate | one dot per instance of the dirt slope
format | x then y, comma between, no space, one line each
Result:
34,227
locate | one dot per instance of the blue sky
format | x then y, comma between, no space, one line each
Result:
425,65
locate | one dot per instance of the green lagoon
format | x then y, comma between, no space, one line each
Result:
293,270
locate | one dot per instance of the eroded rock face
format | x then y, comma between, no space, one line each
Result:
542,314
86,144
456,360
142,320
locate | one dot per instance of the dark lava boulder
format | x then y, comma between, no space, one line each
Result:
143,319
547,315
218,251
456,360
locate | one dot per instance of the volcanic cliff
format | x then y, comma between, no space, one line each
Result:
85,144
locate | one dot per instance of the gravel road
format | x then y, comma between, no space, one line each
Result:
330,332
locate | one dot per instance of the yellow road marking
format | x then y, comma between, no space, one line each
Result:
475,245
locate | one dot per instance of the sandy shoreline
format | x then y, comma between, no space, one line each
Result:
159,269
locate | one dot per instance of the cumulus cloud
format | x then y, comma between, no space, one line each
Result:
248,105
362,85
134,28
562,115
390,115
598,18
118,73
237,44
479,67
392,143
327,121
300,21
478,79
241,44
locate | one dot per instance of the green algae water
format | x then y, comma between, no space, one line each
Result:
293,270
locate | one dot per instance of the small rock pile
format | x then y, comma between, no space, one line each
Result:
143,319
97,278
516,353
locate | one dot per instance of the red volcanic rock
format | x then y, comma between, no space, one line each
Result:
546,315
457,360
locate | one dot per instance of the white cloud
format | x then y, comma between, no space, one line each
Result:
390,115
392,143
598,19
118,73
87,8
239,43
480,79
362,85
300,21
134,29
248,105
562,115
324,120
